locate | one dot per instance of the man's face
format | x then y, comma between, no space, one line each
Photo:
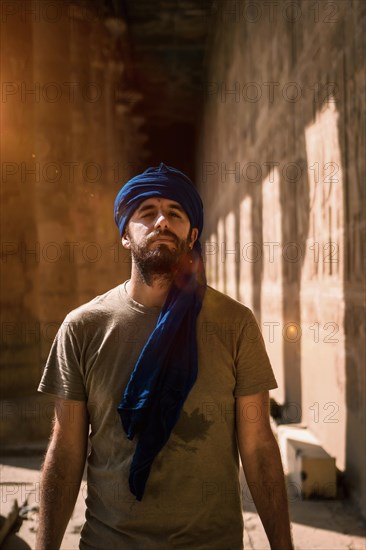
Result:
158,235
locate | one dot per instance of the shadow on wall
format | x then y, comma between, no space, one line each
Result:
283,201
301,281
351,129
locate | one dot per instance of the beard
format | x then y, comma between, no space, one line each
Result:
160,262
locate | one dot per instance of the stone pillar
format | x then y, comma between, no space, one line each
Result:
221,284
248,253
230,255
322,295
20,176
63,161
53,149
272,281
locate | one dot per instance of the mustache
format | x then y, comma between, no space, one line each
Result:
162,233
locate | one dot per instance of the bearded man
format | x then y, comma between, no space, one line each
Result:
168,380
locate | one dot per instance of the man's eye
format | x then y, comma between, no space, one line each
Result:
175,214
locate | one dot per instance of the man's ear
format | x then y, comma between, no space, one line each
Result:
194,235
126,242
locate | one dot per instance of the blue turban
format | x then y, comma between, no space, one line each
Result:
168,364
165,182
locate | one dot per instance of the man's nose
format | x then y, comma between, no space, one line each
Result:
161,220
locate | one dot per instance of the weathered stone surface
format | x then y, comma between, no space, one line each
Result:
282,144
63,160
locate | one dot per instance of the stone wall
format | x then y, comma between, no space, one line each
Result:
64,154
281,168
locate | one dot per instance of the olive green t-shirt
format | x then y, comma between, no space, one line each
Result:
192,497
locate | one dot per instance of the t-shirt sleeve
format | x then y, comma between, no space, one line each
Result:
253,368
62,375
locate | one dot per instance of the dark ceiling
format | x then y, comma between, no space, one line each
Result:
166,50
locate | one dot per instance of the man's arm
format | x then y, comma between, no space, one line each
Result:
62,472
262,466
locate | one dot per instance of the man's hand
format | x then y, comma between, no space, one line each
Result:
62,472
262,466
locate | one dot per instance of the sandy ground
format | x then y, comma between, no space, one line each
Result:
325,525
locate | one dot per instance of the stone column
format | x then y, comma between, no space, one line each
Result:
272,282
322,294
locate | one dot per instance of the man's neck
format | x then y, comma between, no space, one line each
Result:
153,295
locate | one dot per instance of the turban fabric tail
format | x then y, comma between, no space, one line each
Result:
168,364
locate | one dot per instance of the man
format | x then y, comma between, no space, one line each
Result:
172,377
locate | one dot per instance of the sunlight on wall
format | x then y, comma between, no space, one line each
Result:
248,253
220,263
211,252
272,279
322,295
230,255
